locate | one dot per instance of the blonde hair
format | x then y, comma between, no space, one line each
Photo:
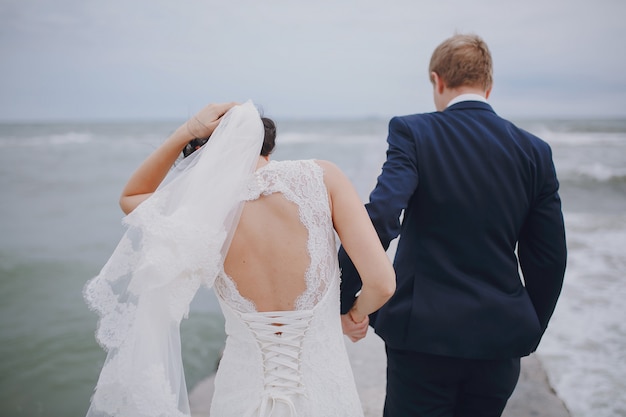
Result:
463,61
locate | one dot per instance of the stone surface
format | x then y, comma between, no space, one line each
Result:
533,396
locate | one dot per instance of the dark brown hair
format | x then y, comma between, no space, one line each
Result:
269,140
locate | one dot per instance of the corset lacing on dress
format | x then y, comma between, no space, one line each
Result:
279,335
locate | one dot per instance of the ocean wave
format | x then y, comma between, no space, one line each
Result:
57,139
598,173
581,138
312,138
70,138
577,125
583,349
297,137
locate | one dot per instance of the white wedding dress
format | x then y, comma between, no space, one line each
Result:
289,363
275,364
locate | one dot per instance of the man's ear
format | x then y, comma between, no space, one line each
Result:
488,91
438,83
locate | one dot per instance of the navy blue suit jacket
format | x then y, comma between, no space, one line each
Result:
469,187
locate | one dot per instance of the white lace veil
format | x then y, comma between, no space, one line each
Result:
176,241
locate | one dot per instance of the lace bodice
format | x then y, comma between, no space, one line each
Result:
301,182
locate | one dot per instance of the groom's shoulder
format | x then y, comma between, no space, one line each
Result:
415,119
417,116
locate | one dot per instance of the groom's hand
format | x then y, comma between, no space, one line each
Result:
355,331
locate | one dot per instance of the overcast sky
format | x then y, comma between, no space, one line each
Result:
148,59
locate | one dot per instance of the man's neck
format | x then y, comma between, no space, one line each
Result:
467,97
450,95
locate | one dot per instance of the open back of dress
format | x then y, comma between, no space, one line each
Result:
285,353
283,252
268,258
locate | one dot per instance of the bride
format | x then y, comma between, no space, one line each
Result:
262,234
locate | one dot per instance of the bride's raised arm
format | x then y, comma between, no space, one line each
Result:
145,180
361,242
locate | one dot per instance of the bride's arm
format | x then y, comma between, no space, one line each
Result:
361,242
151,172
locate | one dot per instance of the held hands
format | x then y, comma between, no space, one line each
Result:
206,120
353,329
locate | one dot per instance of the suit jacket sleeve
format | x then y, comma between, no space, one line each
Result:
396,184
541,247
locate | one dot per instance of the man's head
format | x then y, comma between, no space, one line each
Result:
461,64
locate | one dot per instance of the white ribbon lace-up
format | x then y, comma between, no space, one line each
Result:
280,336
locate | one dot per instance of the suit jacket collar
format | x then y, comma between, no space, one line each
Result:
470,105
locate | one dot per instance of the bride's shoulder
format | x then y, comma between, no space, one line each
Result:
329,171
299,164
333,175
329,168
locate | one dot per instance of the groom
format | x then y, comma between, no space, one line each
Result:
470,188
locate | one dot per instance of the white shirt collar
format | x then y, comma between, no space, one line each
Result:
466,97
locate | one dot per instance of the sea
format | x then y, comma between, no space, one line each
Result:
60,221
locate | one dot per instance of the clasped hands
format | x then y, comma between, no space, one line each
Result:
355,330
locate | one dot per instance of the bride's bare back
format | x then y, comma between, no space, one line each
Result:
268,257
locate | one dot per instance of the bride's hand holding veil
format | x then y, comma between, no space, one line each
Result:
206,120
146,179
